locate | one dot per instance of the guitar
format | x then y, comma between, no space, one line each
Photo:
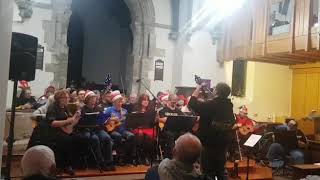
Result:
68,129
246,129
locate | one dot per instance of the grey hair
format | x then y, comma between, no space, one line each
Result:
187,148
38,160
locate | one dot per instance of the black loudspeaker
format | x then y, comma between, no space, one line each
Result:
23,57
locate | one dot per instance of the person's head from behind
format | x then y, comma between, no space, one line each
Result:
187,149
222,90
38,160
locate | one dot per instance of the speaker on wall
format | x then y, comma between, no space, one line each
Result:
23,57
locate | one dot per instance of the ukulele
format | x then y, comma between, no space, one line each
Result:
68,129
113,122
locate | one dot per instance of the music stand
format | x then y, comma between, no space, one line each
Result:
179,123
250,143
88,120
288,139
140,120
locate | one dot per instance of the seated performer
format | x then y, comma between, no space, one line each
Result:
99,140
145,136
114,120
105,101
62,122
168,136
25,100
285,146
44,98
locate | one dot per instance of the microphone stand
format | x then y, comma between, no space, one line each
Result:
148,89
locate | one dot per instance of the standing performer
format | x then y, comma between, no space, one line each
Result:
215,129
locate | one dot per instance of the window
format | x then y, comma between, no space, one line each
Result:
281,13
239,75
315,13
158,70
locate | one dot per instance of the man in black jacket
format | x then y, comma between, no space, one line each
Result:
215,128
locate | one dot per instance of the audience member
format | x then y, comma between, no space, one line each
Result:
38,162
186,152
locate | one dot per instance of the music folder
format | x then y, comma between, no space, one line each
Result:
140,120
89,119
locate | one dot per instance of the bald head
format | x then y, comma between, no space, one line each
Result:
38,160
187,148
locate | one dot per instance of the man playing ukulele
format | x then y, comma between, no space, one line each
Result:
113,118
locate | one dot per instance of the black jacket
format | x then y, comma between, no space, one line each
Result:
217,110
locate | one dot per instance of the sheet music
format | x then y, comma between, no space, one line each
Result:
252,140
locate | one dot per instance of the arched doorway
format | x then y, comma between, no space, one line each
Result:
100,42
137,18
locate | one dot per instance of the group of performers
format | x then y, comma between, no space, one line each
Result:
84,122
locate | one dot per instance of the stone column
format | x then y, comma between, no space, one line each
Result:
144,38
56,31
6,16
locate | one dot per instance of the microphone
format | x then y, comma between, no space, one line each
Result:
138,80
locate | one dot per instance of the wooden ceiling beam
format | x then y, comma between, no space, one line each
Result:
286,59
264,60
314,54
298,57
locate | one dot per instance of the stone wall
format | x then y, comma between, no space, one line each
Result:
56,39
6,14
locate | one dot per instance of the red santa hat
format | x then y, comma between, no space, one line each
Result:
182,98
24,84
115,95
89,94
164,97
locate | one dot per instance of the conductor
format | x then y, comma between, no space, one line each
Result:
215,128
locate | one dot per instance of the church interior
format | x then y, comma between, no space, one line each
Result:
160,89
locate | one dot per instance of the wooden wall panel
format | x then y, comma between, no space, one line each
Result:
298,95
312,92
300,42
278,46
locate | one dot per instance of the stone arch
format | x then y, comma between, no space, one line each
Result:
143,22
